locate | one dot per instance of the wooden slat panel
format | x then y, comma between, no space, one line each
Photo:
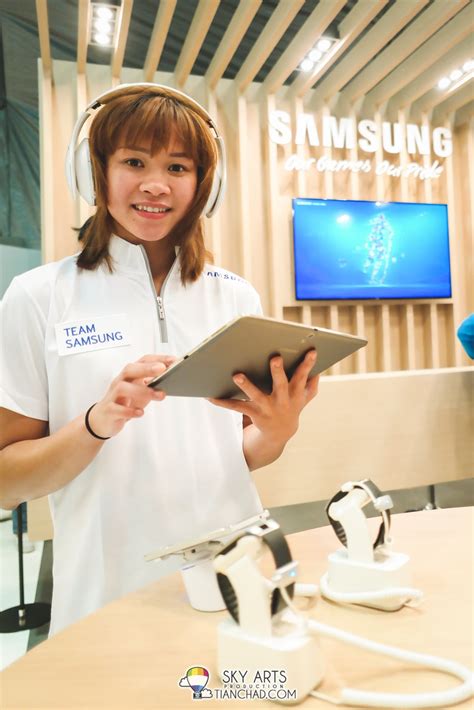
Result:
238,26
273,220
47,193
407,42
163,19
82,29
454,101
387,27
197,32
455,246
302,42
349,29
454,32
43,32
430,77
243,169
410,337
272,33
123,24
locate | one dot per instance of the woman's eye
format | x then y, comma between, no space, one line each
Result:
177,168
134,162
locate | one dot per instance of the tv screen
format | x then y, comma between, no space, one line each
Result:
353,249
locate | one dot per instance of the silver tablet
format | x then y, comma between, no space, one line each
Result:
246,345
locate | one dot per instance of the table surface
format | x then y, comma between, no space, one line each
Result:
133,652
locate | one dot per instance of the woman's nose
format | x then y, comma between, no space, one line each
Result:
155,186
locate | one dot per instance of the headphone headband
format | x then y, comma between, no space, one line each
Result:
79,173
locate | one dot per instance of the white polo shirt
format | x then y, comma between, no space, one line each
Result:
174,474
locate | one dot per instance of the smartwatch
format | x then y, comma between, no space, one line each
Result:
271,534
382,504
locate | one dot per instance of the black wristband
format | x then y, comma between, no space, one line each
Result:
271,534
88,426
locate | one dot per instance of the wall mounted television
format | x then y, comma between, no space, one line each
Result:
354,249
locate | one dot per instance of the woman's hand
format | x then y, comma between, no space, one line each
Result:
275,416
128,395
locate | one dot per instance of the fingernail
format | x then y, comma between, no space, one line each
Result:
158,367
278,362
239,379
312,355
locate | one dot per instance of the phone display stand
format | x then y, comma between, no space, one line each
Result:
197,571
201,587
359,574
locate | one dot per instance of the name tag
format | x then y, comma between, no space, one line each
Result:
82,336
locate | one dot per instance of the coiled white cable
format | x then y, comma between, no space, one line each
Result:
409,593
361,698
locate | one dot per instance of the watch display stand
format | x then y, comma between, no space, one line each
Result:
359,573
255,639
24,616
380,584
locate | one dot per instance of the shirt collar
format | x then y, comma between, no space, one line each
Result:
128,256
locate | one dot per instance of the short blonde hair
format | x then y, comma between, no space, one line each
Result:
156,115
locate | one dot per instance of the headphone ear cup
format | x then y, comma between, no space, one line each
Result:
219,181
84,175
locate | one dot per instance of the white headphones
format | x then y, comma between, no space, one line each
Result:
79,173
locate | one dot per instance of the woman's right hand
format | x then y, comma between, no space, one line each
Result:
128,395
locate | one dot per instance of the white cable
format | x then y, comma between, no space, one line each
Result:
355,597
305,590
360,698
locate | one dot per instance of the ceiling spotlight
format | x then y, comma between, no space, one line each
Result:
444,83
104,13
469,65
306,65
455,75
103,27
323,45
315,55
103,39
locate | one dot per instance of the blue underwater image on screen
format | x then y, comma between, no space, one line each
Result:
350,249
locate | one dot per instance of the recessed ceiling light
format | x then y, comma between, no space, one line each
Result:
103,27
104,13
444,83
315,55
306,65
104,40
455,75
469,65
323,45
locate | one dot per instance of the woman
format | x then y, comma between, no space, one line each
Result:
126,470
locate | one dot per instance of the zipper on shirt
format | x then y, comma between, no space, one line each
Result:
159,299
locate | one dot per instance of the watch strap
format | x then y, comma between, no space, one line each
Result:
374,493
273,537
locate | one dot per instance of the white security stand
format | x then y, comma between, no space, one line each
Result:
358,574
258,640
196,557
254,639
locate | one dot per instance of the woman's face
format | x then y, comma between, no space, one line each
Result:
147,195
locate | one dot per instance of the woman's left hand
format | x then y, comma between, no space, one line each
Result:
275,416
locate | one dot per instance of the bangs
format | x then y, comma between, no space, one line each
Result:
152,120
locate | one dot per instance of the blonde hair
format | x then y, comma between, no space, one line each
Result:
156,115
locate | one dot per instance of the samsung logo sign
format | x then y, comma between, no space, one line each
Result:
367,135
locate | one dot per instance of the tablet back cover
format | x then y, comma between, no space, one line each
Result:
246,345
